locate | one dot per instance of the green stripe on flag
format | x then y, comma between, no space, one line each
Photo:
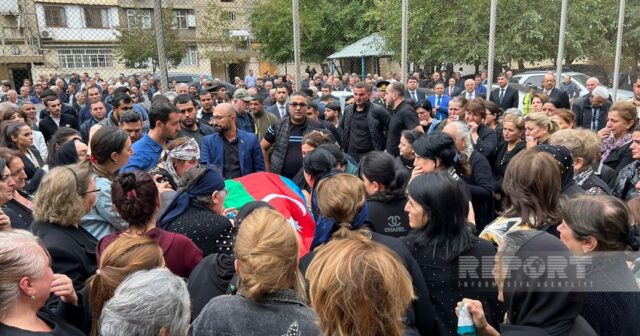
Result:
238,195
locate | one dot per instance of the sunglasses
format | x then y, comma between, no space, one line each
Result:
298,104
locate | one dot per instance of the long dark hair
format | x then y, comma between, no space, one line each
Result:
59,138
318,163
446,207
9,130
104,142
135,197
381,167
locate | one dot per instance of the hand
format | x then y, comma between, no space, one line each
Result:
417,171
473,126
437,107
5,221
604,133
475,309
161,184
62,286
531,142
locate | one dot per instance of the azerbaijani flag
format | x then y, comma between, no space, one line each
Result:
284,195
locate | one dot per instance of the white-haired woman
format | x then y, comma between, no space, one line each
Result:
148,303
26,281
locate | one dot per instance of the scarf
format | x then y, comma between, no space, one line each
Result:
187,152
610,144
208,183
326,226
563,156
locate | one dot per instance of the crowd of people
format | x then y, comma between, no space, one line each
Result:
428,209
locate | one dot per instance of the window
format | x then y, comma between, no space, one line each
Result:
55,16
191,57
139,18
179,19
230,15
96,17
85,58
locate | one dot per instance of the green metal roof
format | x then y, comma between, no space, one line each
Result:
372,45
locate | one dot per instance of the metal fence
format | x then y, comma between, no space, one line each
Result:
371,38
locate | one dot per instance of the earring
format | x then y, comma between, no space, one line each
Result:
33,297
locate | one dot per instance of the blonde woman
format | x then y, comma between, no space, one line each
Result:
270,298
359,287
538,128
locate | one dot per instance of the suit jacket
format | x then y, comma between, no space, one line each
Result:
452,91
463,94
249,150
561,97
48,127
584,114
420,95
72,250
443,111
274,109
510,99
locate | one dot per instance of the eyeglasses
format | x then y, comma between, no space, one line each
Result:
298,104
90,191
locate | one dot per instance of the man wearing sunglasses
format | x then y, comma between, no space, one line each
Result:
285,137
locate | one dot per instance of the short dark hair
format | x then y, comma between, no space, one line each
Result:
396,87
204,93
120,98
129,116
135,195
381,167
160,112
412,78
362,85
439,146
96,102
318,163
325,86
185,98
122,89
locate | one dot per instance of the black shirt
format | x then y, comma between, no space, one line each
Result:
404,118
59,326
360,139
293,158
231,167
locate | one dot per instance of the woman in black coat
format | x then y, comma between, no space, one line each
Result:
65,195
512,130
18,136
616,136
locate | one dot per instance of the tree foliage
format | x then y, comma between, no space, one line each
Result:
457,31
325,27
215,41
136,46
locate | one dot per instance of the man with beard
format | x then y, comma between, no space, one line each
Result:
240,102
164,121
206,111
131,122
332,113
285,136
190,126
403,117
262,118
235,152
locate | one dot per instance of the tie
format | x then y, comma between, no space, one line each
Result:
450,91
501,95
415,98
438,100
594,118
281,111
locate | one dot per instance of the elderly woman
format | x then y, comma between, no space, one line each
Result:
456,113
584,146
616,135
135,197
19,207
157,297
197,211
26,283
18,136
181,155
271,288
110,150
65,195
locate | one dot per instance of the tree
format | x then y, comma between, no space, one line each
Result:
214,35
325,27
137,48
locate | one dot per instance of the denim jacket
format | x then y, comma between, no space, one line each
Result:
103,218
278,314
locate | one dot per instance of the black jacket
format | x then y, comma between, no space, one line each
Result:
487,141
378,119
561,97
72,250
510,99
48,127
583,113
619,158
480,184
387,215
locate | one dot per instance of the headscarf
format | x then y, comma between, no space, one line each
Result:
187,152
206,185
530,303
563,156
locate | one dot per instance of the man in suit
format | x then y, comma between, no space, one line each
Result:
412,90
470,90
279,109
50,123
504,95
235,152
452,90
440,102
591,112
548,87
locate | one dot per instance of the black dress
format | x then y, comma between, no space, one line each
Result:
23,215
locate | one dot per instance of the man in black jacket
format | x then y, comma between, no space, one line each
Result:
548,85
50,124
403,117
363,124
504,95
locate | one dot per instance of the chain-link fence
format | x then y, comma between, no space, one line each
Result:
115,40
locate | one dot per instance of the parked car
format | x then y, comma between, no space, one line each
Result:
536,77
